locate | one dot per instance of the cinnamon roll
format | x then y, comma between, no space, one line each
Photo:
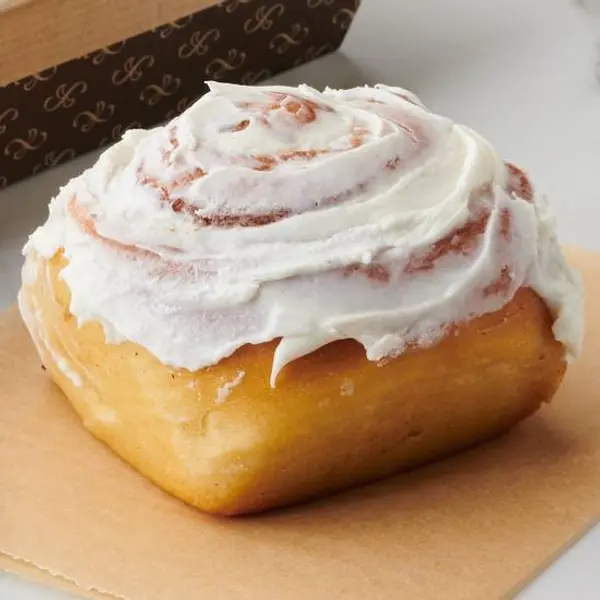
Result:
285,292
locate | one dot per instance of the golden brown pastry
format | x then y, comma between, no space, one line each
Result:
283,293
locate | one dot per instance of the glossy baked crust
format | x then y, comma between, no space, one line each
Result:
334,420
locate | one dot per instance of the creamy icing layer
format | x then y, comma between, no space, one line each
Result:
283,213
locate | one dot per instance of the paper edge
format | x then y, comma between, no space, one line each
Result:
48,578
551,560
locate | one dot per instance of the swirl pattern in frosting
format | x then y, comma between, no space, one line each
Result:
266,213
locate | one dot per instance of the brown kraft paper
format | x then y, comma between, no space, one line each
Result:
478,525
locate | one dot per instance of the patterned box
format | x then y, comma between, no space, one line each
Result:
87,102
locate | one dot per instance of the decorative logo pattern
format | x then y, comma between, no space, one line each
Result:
17,148
99,56
219,67
343,17
132,69
87,119
199,43
52,116
264,18
10,114
33,80
166,30
154,93
282,42
65,96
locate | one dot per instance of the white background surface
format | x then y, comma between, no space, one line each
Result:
519,71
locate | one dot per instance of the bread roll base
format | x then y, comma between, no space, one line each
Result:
334,420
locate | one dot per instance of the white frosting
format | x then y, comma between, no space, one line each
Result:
33,321
225,390
360,185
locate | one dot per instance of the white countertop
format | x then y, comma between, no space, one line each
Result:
520,72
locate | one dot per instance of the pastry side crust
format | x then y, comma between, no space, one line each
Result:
228,443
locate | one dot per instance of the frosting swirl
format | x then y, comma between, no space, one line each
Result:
268,213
